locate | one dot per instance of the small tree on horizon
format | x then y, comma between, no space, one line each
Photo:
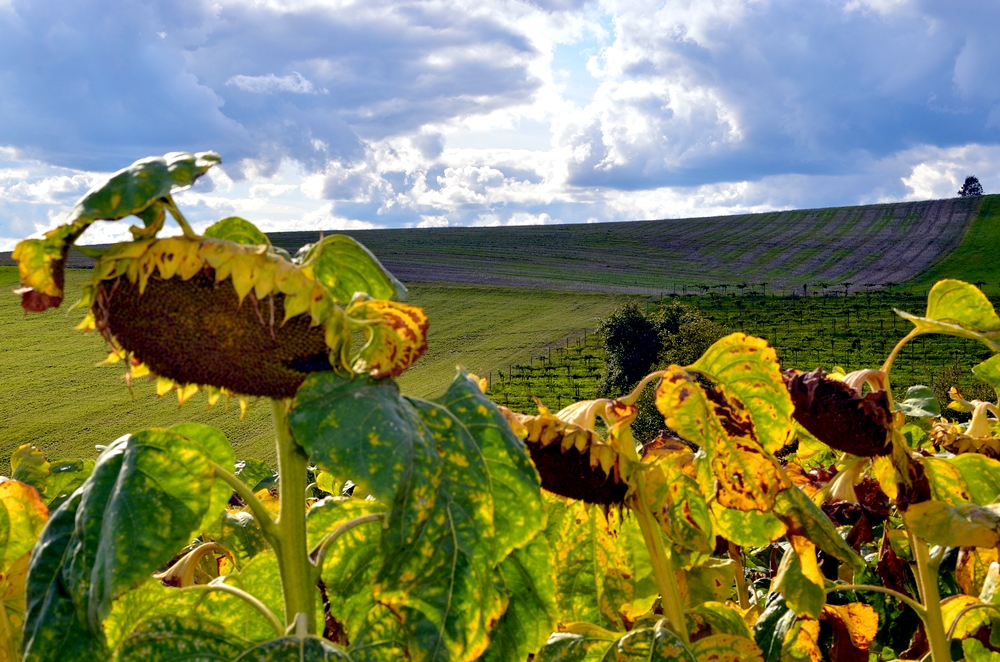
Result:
971,187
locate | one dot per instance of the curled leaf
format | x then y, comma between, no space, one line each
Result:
396,335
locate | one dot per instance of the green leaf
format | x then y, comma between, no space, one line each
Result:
326,515
217,447
711,581
439,577
438,543
655,644
170,638
343,266
518,510
240,533
966,525
132,189
28,465
924,325
975,651
989,371
53,629
981,476
720,619
920,402
804,517
238,231
22,518
958,302
799,578
162,473
747,369
362,430
302,649
600,564
773,626
256,474
261,578
349,570
946,481
679,507
531,615
64,478
746,528
153,600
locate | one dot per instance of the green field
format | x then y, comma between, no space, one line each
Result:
52,395
534,337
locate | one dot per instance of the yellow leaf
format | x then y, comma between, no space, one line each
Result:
970,622
801,642
972,568
746,477
726,648
396,335
854,626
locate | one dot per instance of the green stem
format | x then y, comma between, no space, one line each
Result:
264,519
887,366
741,581
319,554
931,598
272,620
189,233
913,604
292,551
663,570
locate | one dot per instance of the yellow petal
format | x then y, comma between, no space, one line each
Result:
185,392
163,385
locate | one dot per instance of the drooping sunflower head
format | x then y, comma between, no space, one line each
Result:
836,413
224,310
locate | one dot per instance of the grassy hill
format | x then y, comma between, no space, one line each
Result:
52,395
871,244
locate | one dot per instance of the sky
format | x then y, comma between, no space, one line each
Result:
394,113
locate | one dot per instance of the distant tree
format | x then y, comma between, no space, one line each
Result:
970,187
631,345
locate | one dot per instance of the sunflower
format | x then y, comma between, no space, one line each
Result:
224,310
975,437
835,412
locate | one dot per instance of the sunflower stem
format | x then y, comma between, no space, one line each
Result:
186,228
927,578
297,571
663,570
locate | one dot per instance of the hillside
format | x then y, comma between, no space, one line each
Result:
871,244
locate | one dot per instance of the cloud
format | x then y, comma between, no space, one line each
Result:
425,113
270,84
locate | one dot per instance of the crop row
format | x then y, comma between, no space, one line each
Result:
852,331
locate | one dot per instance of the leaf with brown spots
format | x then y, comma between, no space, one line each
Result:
747,369
740,473
854,627
395,334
